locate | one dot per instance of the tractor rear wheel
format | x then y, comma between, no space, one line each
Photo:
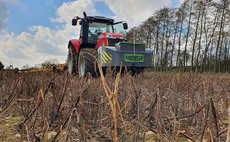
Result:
72,60
87,62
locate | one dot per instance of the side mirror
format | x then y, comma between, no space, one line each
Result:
125,26
74,22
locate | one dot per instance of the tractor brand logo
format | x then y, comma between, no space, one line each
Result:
106,58
134,58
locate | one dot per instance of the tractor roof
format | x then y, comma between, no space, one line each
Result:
99,19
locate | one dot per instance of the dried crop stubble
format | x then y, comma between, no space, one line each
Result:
172,106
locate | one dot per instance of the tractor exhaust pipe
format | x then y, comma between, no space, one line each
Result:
85,15
85,28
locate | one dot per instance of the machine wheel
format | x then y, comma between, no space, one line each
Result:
136,71
72,60
86,62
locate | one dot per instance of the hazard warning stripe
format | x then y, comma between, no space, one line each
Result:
106,58
107,55
103,60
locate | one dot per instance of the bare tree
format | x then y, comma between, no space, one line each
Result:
199,14
175,29
210,26
189,4
50,62
223,7
181,17
26,66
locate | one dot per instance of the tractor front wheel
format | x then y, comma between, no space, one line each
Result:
87,62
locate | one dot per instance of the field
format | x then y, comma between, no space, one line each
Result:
163,107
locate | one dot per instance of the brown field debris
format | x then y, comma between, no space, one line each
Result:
148,107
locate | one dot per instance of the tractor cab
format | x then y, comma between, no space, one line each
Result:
97,31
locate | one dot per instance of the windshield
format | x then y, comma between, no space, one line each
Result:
98,28
119,29
95,29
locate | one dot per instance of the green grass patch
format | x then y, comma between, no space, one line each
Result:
7,128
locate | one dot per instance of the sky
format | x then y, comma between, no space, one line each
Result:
32,31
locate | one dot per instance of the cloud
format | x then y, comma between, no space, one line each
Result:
135,11
4,12
32,49
4,16
68,10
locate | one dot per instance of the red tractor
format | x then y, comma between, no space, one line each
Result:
105,39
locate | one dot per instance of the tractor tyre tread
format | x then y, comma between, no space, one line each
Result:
89,55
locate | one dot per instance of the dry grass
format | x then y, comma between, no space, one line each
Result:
148,107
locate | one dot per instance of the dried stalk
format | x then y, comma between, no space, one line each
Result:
65,122
61,101
228,133
10,101
183,134
39,103
213,110
191,115
205,122
159,112
46,131
112,97
224,131
27,134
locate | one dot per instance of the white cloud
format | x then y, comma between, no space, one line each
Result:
135,11
68,10
4,16
46,43
33,49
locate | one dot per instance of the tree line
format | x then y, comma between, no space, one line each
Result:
1,66
193,37
49,62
